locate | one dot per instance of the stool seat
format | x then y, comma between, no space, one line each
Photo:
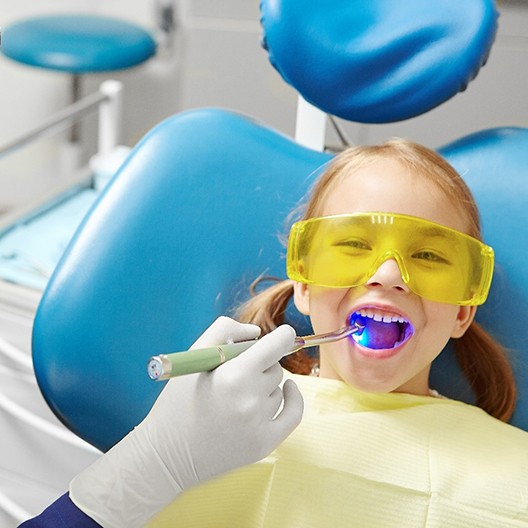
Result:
77,44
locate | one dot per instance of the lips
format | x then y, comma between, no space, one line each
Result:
383,330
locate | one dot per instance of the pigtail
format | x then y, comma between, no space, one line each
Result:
487,369
267,309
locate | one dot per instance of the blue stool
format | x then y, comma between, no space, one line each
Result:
77,44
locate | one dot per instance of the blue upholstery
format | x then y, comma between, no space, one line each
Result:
192,218
378,61
77,43
493,163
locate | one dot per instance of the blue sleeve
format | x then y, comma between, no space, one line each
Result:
61,514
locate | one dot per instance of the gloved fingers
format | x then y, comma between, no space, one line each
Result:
283,422
272,378
267,351
275,402
247,391
292,409
226,330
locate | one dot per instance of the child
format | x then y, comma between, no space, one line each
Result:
397,248
480,357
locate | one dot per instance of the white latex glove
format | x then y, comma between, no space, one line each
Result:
201,426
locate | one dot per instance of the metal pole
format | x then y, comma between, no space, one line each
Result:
310,126
57,122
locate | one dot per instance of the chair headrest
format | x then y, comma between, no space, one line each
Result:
378,61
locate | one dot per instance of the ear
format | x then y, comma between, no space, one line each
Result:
465,317
301,297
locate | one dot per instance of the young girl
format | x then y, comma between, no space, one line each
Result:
390,239
398,176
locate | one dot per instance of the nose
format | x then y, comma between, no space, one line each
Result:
388,275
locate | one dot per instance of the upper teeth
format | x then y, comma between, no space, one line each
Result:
381,316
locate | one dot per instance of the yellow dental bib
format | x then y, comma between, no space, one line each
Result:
372,461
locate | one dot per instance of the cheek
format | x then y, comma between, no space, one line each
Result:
442,320
327,308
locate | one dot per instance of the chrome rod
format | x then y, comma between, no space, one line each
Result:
58,122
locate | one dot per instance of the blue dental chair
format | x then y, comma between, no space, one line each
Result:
196,212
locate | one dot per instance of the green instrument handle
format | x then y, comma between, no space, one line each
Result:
166,366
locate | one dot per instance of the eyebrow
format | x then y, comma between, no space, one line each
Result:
438,232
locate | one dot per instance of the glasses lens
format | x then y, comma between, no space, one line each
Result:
436,262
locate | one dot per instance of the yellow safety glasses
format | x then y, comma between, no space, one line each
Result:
436,262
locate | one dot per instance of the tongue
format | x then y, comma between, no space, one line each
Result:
378,335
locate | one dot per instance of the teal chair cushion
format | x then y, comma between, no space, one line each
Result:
194,215
493,162
77,43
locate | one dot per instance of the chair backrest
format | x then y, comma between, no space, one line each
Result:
494,164
197,212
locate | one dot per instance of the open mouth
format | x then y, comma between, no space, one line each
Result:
382,330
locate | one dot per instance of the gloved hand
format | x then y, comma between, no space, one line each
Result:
201,426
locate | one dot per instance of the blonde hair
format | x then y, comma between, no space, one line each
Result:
482,360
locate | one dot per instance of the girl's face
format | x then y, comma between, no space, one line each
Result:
385,186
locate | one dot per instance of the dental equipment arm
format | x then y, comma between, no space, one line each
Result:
200,427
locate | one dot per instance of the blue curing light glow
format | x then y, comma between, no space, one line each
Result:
377,334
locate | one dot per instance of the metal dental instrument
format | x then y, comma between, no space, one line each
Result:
167,366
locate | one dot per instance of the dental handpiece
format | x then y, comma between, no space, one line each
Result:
165,366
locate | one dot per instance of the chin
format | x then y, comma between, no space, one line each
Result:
374,386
